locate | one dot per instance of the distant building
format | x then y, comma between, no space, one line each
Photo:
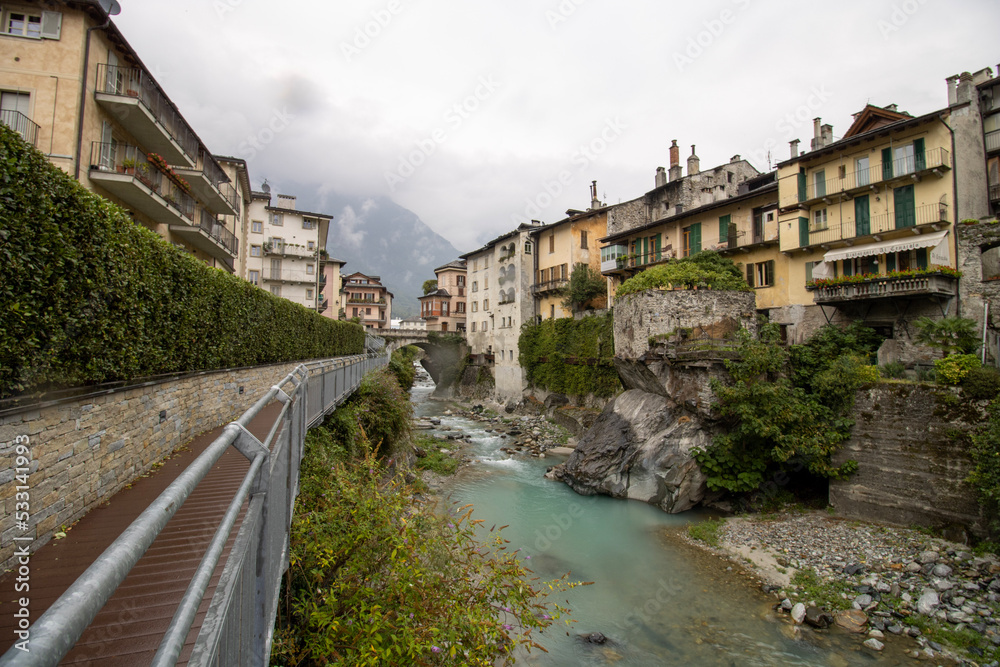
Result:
445,308
285,248
366,298
413,324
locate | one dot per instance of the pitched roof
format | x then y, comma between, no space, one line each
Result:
872,118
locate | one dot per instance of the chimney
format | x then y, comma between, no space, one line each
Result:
794,144
675,161
966,89
661,176
817,140
594,201
694,164
952,82
286,201
827,133
892,107
735,158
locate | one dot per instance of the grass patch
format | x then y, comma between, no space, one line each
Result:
826,594
706,531
435,460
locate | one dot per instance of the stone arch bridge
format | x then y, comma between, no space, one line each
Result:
444,352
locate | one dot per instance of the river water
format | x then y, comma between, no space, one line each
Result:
658,600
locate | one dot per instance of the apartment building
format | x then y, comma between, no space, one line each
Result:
445,308
329,286
71,84
988,89
366,298
500,277
562,246
285,248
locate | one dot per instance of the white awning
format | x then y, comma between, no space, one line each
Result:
934,240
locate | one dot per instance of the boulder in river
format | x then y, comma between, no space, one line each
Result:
640,448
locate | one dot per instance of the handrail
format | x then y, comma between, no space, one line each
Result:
55,633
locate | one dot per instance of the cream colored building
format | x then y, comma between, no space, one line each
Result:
285,248
366,298
445,309
72,85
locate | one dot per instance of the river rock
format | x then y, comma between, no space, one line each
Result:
928,602
852,620
799,613
874,644
640,448
817,618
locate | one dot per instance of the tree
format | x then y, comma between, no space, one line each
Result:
585,284
430,286
951,335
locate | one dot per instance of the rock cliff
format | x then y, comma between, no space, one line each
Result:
640,448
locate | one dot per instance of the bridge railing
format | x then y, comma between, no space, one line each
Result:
238,626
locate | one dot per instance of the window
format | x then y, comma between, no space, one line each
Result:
760,274
308,224
475,285
486,304
254,277
257,227
861,169
583,240
905,161
819,222
23,24
527,247
473,327
310,245
475,306
692,239
552,243
309,294
819,182
310,269
355,313
255,251
277,220
368,311
563,268
460,307
552,312
502,354
276,290
724,221
460,281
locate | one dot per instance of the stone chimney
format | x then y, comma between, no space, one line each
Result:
966,91
735,158
661,176
286,201
794,145
675,161
952,82
594,201
827,134
694,164
817,140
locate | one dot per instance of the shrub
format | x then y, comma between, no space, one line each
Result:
88,296
401,365
585,284
554,340
377,417
894,370
951,335
982,383
952,369
985,477
705,269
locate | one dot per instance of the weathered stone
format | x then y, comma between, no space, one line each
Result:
874,644
799,613
928,602
817,618
852,620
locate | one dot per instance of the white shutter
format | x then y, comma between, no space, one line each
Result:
51,25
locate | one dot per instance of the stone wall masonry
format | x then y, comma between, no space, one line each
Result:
627,215
642,315
85,450
979,262
912,458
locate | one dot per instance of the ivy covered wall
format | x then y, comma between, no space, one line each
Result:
573,357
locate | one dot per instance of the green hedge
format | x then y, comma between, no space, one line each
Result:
545,348
88,296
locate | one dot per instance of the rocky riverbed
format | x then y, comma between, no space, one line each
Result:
528,435
873,580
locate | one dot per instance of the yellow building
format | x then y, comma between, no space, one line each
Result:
876,203
561,247
72,85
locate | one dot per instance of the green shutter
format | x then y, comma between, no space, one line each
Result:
770,272
750,274
890,262
695,238
922,258
848,267
657,247
919,155
862,216
906,213
803,232
724,228
802,186
886,164
809,271
645,250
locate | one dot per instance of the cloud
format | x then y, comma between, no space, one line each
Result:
351,225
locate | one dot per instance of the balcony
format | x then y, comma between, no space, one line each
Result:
322,280
995,193
21,124
210,236
931,285
132,97
212,186
370,302
125,172
288,276
911,168
288,250
547,288
322,306
630,264
928,215
993,141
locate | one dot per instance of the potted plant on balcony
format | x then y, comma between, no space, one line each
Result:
128,166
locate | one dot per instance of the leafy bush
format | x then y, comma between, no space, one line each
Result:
585,284
706,269
829,343
985,477
375,579
953,369
554,340
401,365
894,370
982,383
951,335
88,296
377,417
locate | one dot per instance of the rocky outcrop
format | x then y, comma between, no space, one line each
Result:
640,448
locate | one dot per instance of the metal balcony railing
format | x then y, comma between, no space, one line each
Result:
878,224
215,229
884,287
21,124
995,192
288,276
547,286
128,159
993,141
135,82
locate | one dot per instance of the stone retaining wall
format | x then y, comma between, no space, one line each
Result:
85,450
710,313
912,458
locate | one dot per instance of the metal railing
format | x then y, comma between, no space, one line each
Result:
128,159
288,276
237,628
215,229
134,82
879,223
995,192
880,287
993,141
17,121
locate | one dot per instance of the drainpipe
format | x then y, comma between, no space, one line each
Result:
83,92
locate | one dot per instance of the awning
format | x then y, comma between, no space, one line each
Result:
939,255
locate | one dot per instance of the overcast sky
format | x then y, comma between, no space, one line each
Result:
475,114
